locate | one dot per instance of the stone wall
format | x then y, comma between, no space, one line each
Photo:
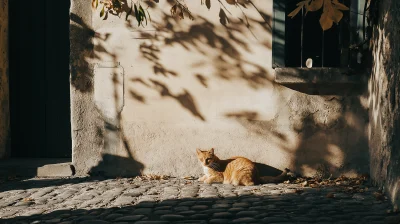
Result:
143,99
4,93
384,90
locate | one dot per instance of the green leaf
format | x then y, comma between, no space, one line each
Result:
102,12
148,14
143,13
116,4
129,12
105,16
137,15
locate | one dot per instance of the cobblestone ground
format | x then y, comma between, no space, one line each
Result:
89,201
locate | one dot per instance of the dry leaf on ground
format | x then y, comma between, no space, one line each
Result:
379,196
330,195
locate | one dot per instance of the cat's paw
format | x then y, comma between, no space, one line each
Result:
208,181
202,178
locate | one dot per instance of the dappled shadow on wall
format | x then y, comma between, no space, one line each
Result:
81,47
223,46
324,135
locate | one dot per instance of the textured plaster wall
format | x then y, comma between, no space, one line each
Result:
384,130
4,93
143,99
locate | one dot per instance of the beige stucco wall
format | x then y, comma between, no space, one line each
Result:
145,98
4,93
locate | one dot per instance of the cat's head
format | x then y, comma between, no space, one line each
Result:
206,157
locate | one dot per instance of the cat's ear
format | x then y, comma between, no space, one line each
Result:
212,151
198,151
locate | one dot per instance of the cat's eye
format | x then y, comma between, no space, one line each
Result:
208,160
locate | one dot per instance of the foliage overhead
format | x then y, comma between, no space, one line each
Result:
332,9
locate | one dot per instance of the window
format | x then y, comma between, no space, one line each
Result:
299,38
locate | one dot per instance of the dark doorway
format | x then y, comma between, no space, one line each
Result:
39,79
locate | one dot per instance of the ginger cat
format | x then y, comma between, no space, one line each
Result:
235,171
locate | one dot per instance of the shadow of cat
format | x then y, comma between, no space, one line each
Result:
265,170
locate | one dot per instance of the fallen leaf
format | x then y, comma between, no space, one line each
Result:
378,196
299,191
364,177
330,195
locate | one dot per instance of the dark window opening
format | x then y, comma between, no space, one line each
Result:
297,39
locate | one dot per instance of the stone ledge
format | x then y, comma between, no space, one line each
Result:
31,167
321,81
56,170
316,75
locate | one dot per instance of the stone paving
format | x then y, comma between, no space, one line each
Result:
127,200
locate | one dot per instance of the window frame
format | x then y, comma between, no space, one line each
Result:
279,31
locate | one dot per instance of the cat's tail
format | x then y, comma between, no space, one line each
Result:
277,179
